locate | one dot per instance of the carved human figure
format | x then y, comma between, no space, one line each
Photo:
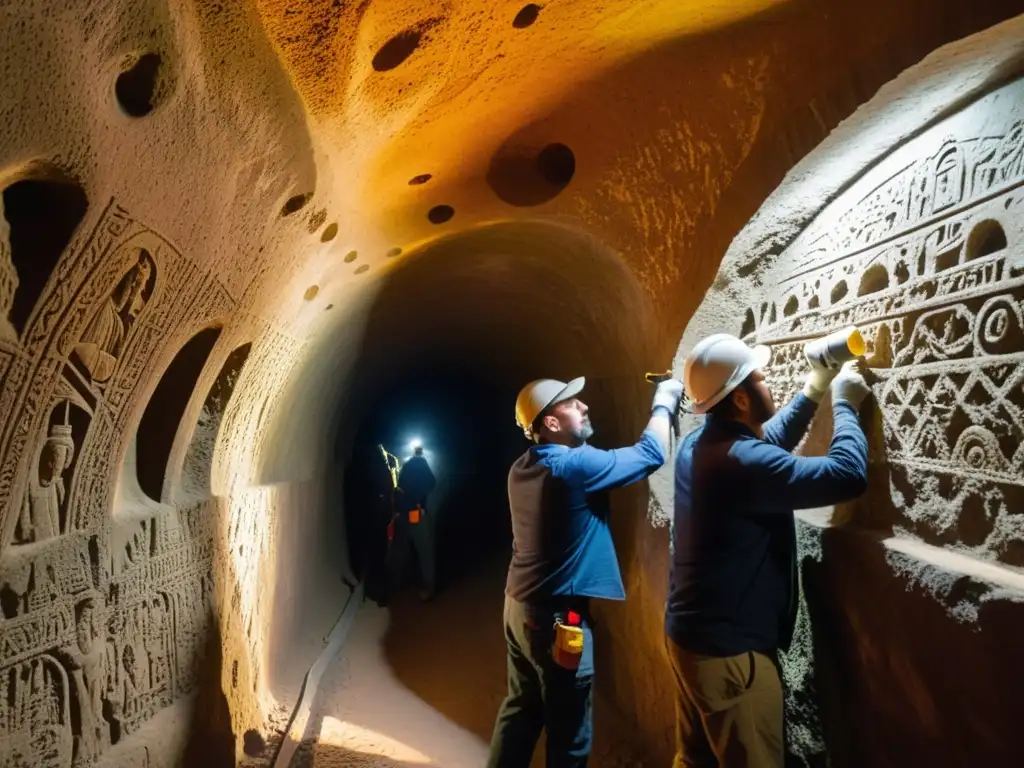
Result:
41,507
104,338
87,675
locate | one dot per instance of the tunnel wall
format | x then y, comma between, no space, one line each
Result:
144,349
913,593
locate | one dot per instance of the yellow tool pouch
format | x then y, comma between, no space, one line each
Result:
414,515
568,648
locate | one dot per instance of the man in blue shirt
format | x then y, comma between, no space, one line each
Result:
733,593
562,556
414,528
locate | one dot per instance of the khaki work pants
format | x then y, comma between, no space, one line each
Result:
728,710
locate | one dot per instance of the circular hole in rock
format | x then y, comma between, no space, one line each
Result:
136,87
295,203
423,178
361,269
523,177
394,252
351,256
526,16
311,292
439,214
253,743
396,50
557,164
329,233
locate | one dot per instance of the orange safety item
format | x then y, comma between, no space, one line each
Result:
568,647
414,515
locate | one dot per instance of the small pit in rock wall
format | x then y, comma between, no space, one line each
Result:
396,50
522,177
557,164
136,87
311,292
295,203
839,291
360,270
329,233
439,214
874,279
423,178
526,16
350,257
329,306
394,252
253,743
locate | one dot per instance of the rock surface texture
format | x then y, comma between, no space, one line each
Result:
913,593
224,224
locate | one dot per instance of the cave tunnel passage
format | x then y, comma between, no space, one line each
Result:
469,441
455,330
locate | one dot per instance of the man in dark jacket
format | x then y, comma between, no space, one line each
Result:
562,556
414,526
733,592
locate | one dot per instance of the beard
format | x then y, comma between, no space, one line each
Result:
583,432
762,408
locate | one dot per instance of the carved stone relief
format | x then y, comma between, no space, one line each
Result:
8,279
102,623
104,339
92,344
925,253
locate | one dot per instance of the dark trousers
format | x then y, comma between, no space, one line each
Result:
542,694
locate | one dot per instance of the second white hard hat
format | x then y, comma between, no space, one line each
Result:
716,366
538,395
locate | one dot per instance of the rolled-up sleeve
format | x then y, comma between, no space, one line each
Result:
599,470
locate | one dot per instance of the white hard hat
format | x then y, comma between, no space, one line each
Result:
540,394
716,366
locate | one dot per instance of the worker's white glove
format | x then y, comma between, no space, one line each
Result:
818,381
849,384
668,394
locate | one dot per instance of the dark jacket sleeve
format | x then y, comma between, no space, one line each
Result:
787,427
803,482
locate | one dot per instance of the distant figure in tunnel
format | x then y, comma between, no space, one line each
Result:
733,591
413,524
383,468
562,555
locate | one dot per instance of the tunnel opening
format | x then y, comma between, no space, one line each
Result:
461,420
452,332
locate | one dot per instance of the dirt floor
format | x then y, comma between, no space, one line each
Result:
419,685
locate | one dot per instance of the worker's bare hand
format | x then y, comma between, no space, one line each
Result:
849,384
